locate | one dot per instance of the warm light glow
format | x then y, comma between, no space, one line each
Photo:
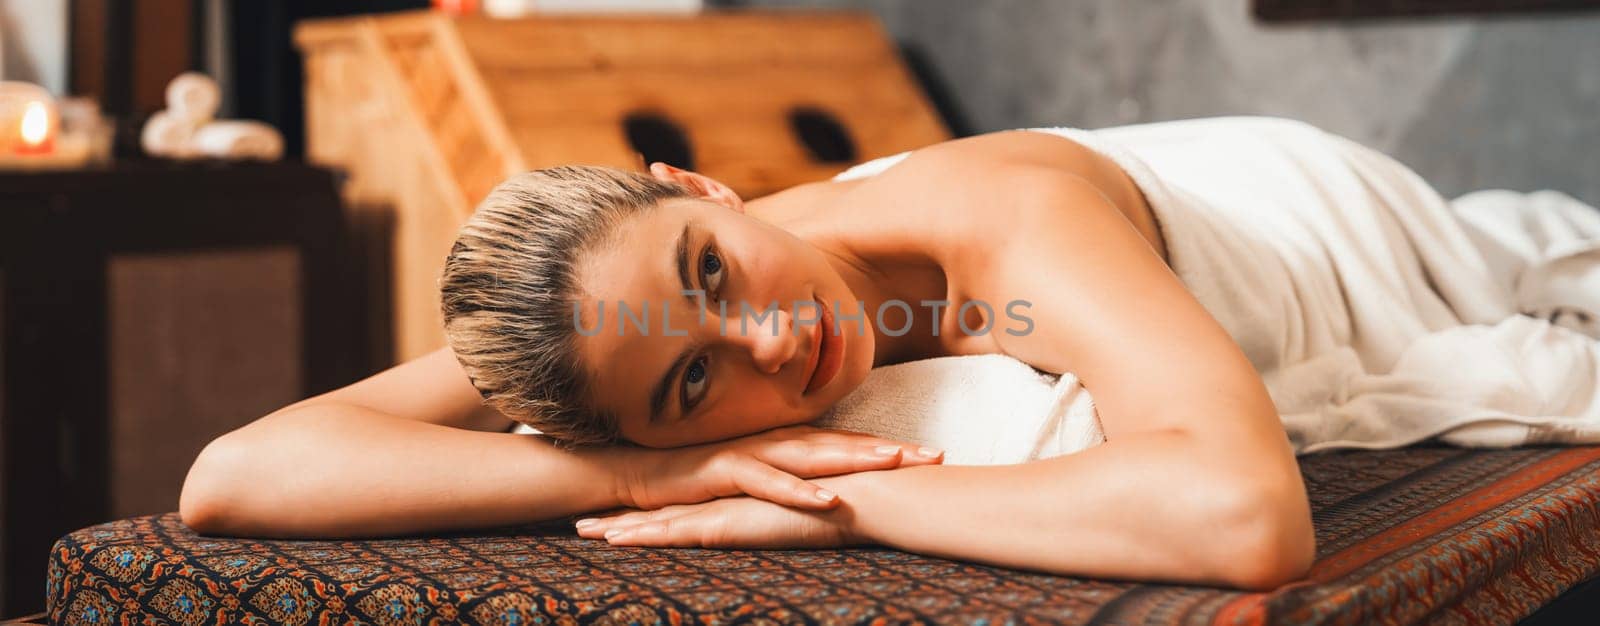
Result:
35,124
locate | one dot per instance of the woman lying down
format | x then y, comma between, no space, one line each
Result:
1233,292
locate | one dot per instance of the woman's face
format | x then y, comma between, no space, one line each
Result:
754,353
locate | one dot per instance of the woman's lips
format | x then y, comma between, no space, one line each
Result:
829,352
811,357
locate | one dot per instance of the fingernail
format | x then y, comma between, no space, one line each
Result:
929,452
586,522
825,495
886,450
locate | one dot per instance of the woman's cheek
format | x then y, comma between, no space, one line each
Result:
735,416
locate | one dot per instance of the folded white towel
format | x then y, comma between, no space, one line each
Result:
186,128
193,96
981,410
238,139
168,135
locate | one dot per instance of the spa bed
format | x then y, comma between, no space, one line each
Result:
1425,535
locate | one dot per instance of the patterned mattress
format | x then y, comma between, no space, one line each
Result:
1425,535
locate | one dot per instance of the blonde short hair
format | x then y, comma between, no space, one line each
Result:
510,282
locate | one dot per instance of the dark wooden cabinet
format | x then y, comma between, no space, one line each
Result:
147,308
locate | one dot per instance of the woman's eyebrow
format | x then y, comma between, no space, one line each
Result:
658,393
683,260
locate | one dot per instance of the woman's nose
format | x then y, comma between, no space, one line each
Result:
768,335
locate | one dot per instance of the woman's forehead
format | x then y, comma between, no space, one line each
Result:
637,262
630,293
650,255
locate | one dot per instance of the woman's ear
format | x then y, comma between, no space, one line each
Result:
701,185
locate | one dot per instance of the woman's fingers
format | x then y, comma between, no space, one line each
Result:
783,440
913,454
597,527
808,459
922,455
757,479
687,531
806,432
771,466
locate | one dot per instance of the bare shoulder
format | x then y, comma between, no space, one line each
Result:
1023,216
984,180
1010,145
1107,308
999,150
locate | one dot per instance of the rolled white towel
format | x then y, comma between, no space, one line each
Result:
167,135
238,139
193,96
988,409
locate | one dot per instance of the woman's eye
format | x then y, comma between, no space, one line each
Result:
694,382
711,271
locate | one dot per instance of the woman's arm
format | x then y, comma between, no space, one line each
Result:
1156,506
1132,509
1196,480
396,453
344,470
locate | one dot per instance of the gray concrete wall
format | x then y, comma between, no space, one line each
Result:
1469,102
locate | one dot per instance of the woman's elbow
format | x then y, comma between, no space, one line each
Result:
200,514
1277,544
1272,565
213,480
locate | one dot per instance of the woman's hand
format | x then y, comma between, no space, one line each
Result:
769,465
739,522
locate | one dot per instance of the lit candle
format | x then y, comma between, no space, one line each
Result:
35,130
32,136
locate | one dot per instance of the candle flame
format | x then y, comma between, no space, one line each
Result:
35,123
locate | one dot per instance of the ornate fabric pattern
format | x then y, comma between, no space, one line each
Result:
1423,535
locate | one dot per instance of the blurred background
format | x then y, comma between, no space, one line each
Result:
212,208
1510,99
1472,93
